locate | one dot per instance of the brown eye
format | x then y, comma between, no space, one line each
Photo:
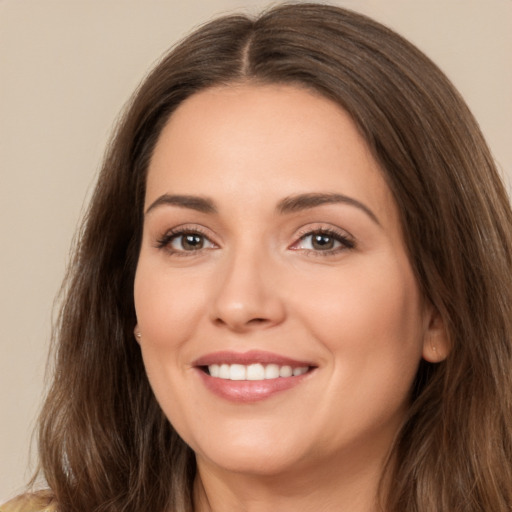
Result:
185,241
189,242
322,242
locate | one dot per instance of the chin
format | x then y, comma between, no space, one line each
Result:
260,463
255,456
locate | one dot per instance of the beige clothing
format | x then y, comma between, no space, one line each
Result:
39,502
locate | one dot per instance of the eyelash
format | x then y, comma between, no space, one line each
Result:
164,242
344,239
347,243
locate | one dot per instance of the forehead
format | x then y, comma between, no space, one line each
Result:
264,141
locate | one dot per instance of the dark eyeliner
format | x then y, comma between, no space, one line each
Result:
347,242
163,241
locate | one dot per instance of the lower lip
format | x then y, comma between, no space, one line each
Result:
246,391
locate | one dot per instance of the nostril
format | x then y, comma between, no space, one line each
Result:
241,325
257,320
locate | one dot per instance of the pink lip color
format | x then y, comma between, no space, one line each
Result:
251,357
248,391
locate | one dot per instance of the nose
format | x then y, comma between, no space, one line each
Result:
248,296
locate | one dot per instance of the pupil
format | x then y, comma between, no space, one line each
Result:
192,242
323,242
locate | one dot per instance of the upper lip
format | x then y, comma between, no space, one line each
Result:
249,357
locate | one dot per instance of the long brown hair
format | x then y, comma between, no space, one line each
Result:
105,445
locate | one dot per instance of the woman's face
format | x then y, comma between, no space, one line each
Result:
281,324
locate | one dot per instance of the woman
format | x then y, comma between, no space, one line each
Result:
301,225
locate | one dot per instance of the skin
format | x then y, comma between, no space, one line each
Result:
259,283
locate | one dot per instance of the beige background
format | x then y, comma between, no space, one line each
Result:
67,67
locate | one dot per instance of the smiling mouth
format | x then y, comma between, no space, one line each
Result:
252,372
252,376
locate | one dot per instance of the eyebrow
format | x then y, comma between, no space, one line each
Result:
287,205
200,204
306,201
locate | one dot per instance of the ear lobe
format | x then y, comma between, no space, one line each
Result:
137,333
436,345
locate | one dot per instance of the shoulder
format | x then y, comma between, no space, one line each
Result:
33,502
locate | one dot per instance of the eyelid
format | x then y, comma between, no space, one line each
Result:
163,241
343,237
346,240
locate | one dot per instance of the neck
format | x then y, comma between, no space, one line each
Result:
350,487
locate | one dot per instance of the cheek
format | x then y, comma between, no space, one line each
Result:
371,323
377,299
370,320
168,304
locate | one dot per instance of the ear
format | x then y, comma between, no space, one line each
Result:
436,345
137,333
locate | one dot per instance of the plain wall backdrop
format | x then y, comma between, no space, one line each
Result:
66,69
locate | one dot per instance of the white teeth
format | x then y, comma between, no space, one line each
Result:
224,371
272,371
285,371
237,372
254,371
